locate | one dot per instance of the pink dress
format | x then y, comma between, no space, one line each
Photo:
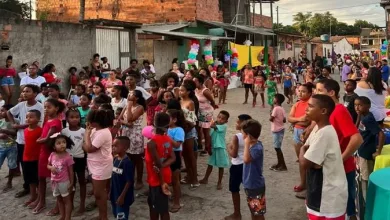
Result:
206,111
45,149
100,162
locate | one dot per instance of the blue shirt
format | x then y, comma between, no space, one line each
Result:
369,129
252,177
121,174
385,73
177,134
287,83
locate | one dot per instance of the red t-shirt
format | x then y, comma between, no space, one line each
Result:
31,148
164,148
49,78
300,110
7,72
345,128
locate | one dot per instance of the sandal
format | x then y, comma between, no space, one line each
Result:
298,189
53,212
37,211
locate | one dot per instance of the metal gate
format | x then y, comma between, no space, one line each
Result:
115,45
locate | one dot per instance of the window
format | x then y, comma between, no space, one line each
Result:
282,46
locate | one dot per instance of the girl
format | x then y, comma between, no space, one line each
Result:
75,99
222,84
272,89
23,71
97,89
169,82
48,74
95,64
132,117
8,74
152,104
260,86
163,100
106,67
76,134
73,80
176,133
111,81
54,92
98,145
118,94
84,108
248,83
186,92
175,69
53,108
60,164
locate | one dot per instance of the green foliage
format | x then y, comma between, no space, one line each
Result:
17,7
286,29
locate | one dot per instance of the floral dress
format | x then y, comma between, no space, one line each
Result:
206,111
271,91
134,132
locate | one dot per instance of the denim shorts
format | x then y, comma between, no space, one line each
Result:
191,134
7,81
297,135
278,138
11,153
105,75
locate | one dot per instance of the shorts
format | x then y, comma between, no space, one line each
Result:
176,165
287,91
100,171
60,189
79,165
7,81
30,172
157,200
256,201
297,135
105,75
366,167
313,215
278,138
235,177
248,86
11,153
116,209
191,134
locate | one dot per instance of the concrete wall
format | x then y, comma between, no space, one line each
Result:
62,44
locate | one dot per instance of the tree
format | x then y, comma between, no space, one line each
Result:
364,24
286,29
301,22
322,24
17,7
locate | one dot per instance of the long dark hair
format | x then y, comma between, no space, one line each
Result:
48,68
375,78
190,87
140,99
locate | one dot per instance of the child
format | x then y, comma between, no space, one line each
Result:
272,89
327,194
44,94
236,151
98,145
97,89
158,157
23,71
118,95
76,134
73,79
8,147
60,164
152,104
297,91
31,153
252,176
53,108
85,101
369,129
75,99
218,157
349,97
106,67
122,181
277,119
55,93
176,133
260,85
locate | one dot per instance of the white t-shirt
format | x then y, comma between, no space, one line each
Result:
328,184
145,93
115,105
78,139
240,154
22,75
329,61
34,81
19,111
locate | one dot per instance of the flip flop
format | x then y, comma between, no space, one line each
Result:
31,205
298,189
35,212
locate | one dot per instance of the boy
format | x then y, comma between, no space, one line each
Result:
75,99
29,94
8,147
369,129
122,180
44,94
85,101
326,196
277,119
158,158
252,177
348,136
349,97
31,154
236,151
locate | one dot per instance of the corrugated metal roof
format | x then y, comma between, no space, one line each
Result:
239,28
163,27
187,35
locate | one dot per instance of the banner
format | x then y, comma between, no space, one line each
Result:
243,52
256,55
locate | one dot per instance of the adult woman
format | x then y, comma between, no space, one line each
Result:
208,82
48,73
309,75
374,89
169,81
190,75
364,70
206,110
95,64
297,118
175,69
111,81
7,82
248,80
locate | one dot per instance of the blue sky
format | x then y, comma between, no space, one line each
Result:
345,11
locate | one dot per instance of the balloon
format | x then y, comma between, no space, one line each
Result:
148,132
385,42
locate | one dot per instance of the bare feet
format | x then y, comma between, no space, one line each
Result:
138,186
203,181
245,103
219,186
79,212
233,217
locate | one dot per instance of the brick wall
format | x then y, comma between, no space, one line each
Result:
262,21
208,10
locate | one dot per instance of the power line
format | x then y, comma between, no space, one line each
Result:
329,9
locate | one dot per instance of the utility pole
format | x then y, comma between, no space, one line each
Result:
277,16
30,10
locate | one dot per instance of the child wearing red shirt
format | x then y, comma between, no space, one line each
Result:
158,158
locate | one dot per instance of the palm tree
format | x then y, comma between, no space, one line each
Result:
301,22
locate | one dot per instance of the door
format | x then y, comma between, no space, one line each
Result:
164,53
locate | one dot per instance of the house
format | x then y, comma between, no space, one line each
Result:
372,39
289,45
337,44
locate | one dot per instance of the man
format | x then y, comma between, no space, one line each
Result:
132,70
325,74
385,71
33,77
346,70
